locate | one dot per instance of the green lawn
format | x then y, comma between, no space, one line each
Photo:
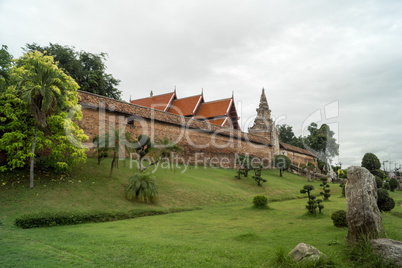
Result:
227,231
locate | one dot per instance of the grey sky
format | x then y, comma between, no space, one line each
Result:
306,54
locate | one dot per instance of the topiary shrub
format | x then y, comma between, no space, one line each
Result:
378,181
339,218
371,161
342,185
393,184
384,202
143,188
379,173
325,190
260,201
312,203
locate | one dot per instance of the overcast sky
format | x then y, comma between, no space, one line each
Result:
343,58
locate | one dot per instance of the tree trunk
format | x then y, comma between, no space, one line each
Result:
31,171
113,161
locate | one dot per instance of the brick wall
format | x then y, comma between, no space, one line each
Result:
201,141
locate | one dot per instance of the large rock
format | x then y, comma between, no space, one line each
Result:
363,215
305,252
390,249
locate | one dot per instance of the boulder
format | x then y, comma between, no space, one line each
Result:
390,249
363,216
305,252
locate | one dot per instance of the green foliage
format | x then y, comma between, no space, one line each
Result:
322,166
245,165
257,176
87,69
312,203
371,162
286,135
363,255
343,173
321,141
378,181
143,188
61,135
325,190
379,173
260,201
62,218
384,201
342,185
339,218
5,66
282,162
393,184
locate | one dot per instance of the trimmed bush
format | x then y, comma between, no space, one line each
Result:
339,218
379,173
393,184
378,180
63,218
282,162
260,201
384,202
371,161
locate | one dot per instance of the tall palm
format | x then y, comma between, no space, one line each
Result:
45,88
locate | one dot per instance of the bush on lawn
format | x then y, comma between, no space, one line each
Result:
339,218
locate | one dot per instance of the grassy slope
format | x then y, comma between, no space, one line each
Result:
227,232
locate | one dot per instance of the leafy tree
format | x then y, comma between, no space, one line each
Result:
371,161
282,162
142,187
286,135
143,147
18,124
325,190
46,89
87,69
379,173
321,141
5,67
322,166
393,184
342,185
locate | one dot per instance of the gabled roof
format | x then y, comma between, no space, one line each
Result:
159,102
213,109
186,106
296,149
219,121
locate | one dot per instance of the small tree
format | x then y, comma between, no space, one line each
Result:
393,184
143,147
312,203
162,149
371,161
143,188
325,190
282,162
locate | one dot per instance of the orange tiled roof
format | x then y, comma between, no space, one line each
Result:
159,102
220,121
186,106
214,108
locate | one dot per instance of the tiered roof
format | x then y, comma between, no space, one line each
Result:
220,112
159,102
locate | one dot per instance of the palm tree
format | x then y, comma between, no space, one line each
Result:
164,147
114,141
45,88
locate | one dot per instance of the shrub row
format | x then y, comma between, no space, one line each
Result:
63,218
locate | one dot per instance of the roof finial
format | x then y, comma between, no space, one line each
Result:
174,88
262,90
130,97
202,91
151,94
232,94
